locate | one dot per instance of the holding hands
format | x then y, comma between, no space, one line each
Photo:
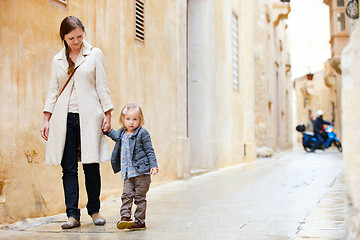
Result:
106,123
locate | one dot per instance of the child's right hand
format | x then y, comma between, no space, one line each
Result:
154,170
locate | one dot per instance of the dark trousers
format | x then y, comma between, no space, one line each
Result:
69,166
318,137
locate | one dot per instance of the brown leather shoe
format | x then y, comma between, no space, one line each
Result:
125,223
71,223
138,226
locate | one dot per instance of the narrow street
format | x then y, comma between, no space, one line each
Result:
293,195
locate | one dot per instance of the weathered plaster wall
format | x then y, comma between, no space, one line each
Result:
350,62
148,75
220,118
153,74
272,76
27,43
235,134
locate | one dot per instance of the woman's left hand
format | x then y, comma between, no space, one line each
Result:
106,123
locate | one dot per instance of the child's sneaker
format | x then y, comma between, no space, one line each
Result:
125,223
138,226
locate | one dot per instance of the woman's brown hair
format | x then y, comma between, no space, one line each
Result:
67,25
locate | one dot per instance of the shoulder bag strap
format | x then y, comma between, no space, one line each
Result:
67,81
70,77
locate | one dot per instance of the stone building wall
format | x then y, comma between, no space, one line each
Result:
272,75
350,66
29,40
219,133
154,74
312,95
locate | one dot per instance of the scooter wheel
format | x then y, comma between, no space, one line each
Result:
338,146
307,149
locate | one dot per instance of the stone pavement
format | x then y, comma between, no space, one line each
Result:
327,220
294,195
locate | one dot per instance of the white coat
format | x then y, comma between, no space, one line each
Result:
93,101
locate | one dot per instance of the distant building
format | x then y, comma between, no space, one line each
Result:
313,94
339,37
350,102
272,75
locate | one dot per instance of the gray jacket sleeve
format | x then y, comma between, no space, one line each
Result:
113,135
148,148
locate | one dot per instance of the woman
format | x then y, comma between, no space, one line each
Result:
75,116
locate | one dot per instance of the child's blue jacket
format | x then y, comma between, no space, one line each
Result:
141,151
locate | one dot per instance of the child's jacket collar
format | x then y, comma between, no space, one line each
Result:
135,132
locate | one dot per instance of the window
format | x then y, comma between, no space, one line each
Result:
341,3
139,21
235,52
341,21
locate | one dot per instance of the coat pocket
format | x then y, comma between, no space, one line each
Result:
142,165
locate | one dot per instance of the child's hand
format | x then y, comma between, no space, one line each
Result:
154,170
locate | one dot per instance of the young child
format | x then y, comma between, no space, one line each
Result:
134,156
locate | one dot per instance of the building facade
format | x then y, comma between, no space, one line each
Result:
189,64
346,62
339,37
350,66
314,93
272,76
350,86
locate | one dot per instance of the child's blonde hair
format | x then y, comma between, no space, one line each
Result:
126,108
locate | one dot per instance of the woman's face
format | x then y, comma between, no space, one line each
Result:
74,39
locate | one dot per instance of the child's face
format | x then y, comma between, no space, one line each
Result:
132,120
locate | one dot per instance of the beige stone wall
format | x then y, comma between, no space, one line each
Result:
338,40
220,118
333,82
154,75
272,75
27,43
350,65
235,135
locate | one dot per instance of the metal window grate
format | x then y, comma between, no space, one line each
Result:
140,20
235,52
341,3
341,22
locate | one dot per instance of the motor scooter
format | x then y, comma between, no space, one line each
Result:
309,140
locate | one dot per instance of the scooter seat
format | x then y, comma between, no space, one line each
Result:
309,133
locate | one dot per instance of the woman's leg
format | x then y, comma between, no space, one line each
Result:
93,186
70,167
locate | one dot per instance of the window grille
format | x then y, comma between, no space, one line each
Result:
341,22
235,52
139,20
341,3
